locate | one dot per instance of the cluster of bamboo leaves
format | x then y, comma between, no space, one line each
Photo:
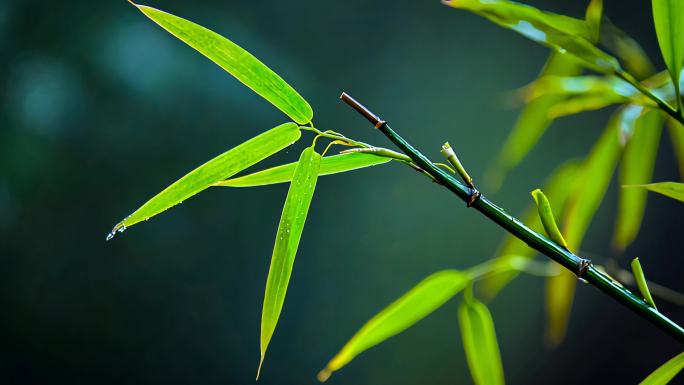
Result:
632,135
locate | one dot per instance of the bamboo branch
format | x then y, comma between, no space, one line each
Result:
581,267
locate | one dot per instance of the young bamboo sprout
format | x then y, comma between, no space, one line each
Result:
450,155
546,216
641,282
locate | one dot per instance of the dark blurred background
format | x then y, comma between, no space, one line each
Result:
101,109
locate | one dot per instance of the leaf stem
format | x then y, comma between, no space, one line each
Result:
663,105
514,226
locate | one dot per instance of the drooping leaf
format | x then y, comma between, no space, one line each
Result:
547,218
564,34
628,50
289,233
421,300
480,344
640,279
636,167
223,166
669,189
677,138
283,173
556,187
588,190
666,372
668,17
238,62
533,120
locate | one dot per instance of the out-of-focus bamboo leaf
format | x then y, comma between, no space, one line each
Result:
547,218
668,17
223,166
628,50
666,372
421,300
669,189
556,187
238,62
564,34
479,342
532,121
636,167
640,279
677,137
593,16
580,85
288,235
283,173
581,103
588,191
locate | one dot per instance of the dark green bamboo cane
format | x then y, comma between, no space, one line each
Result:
581,267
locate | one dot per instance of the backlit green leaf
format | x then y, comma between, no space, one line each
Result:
547,218
329,165
593,16
666,372
677,138
288,235
628,50
636,167
668,17
238,62
669,189
223,166
480,344
561,33
640,279
421,300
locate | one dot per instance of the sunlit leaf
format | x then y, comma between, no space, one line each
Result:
669,189
677,138
588,190
582,103
640,279
561,33
288,235
238,62
668,17
547,218
479,342
580,85
421,300
636,167
223,166
329,165
533,120
666,372
628,50
557,191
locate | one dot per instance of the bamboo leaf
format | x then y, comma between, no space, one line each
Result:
283,173
668,17
221,167
628,50
677,138
562,33
640,279
421,300
593,16
669,189
480,344
666,372
288,235
238,62
547,218
556,187
636,167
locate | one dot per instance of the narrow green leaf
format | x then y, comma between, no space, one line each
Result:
640,279
677,138
668,17
532,121
288,235
669,189
593,16
480,344
628,50
556,187
581,85
636,167
666,372
223,166
283,173
547,218
561,33
421,300
238,62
